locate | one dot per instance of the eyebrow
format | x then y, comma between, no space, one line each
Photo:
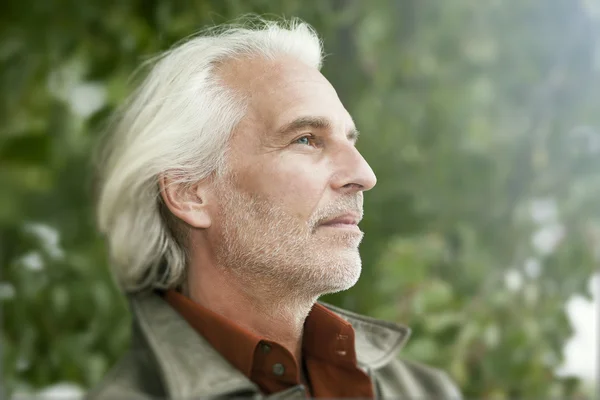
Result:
314,123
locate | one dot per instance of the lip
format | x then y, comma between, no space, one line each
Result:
346,227
343,221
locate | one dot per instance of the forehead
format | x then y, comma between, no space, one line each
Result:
279,91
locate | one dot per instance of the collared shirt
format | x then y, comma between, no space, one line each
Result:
327,349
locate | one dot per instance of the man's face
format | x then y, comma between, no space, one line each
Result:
289,203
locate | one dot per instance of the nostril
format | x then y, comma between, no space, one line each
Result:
354,186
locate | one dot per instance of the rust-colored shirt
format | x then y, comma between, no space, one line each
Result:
327,350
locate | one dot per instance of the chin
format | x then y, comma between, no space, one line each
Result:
343,273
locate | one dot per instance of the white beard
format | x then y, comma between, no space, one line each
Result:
279,256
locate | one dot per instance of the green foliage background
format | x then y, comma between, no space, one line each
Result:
474,115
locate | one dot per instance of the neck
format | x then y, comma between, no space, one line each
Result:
275,316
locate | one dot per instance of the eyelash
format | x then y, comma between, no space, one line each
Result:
311,139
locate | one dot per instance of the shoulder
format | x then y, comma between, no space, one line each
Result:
414,380
132,377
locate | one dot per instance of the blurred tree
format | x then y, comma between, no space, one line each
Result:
479,120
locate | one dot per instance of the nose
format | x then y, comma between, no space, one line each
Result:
353,173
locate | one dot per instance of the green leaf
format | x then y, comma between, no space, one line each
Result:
28,149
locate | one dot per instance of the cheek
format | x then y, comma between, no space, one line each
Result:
295,185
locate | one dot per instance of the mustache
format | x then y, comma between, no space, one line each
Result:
345,205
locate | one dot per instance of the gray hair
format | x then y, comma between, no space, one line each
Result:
178,122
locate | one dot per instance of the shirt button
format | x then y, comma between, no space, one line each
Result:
278,369
266,349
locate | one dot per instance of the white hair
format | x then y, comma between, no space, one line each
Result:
178,123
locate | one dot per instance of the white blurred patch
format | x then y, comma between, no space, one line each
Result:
581,350
544,210
533,268
513,280
67,84
87,98
592,7
59,391
33,261
49,238
545,239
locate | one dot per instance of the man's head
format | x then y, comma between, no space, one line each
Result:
238,148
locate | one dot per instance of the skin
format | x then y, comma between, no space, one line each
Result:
260,249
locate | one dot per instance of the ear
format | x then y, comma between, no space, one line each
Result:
186,202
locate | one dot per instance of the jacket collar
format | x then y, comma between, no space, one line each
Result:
179,350
377,342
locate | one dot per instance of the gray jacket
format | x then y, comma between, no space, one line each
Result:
169,359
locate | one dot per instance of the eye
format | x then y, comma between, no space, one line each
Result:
305,140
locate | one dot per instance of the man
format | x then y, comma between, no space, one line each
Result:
231,196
